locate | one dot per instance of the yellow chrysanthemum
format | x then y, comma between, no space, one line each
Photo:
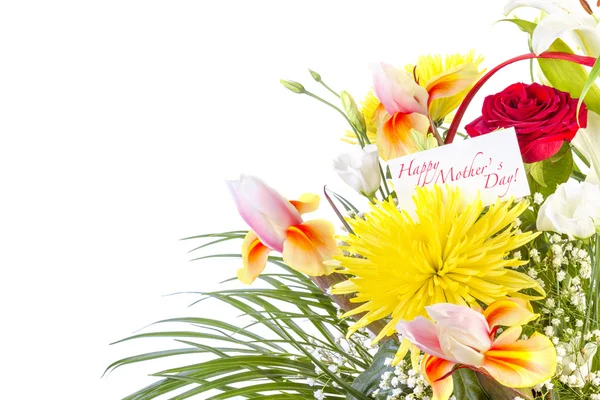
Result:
368,108
458,70
398,264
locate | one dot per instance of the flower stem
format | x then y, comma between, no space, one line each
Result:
582,60
358,135
343,301
330,89
434,131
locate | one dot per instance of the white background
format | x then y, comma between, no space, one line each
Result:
119,122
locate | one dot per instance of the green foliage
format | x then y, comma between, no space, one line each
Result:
565,75
496,391
287,325
589,83
570,77
472,385
546,175
368,381
466,385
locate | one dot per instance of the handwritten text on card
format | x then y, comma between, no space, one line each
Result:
490,164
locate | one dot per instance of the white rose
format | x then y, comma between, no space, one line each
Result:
360,169
574,209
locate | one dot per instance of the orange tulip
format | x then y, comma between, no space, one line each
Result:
277,225
461,335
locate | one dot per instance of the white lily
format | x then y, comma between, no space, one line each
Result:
587,141
564,18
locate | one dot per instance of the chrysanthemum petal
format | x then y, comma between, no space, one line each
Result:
398,264
254,258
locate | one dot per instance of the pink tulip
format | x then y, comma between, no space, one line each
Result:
398,91
403,108
277,224
461,335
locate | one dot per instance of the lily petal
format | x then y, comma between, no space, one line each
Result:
432,369
398,91
547,6
394,135
307,245
523,363
254,258
587,141
564,16
509,312
307,203
557,25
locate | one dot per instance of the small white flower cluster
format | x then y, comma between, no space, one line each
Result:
564,256
544,386
333,360
402,383
567,266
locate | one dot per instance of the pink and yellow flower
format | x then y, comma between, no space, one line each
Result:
277,224
409,100
462,335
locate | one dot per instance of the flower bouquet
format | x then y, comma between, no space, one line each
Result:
471,272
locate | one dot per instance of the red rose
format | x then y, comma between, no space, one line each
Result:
542,116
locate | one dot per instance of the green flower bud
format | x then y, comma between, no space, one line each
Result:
293,86
354,115
423,142
316,76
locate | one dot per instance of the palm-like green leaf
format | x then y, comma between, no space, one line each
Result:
292,334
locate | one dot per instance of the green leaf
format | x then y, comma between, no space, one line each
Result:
546,175
525,26
497,391
589,83
368,381
467,387
565,75
570,77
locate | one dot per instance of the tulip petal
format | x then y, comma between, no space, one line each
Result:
464,320
452,81
509,312
509,336
422,333
307,203
265,210
398,91
254,258
307,245
523,363
432,369
394,136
